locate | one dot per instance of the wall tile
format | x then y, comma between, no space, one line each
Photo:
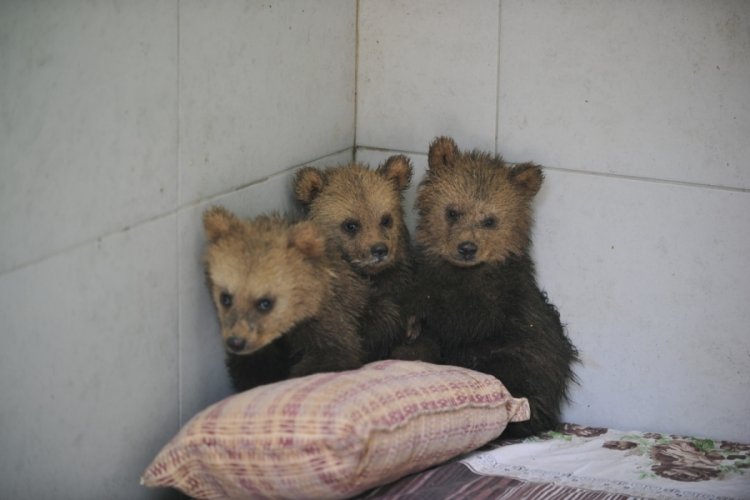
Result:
89,120
644,88
426,68
204,379
88,367
262,85
652,280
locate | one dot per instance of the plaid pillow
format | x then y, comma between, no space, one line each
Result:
333,435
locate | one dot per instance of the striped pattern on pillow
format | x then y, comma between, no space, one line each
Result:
333,435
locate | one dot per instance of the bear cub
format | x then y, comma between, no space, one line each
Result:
287,305
361,210
477,300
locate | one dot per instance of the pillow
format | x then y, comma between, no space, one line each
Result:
333,435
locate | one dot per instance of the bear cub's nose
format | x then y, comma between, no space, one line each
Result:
235,344
379,251
467,249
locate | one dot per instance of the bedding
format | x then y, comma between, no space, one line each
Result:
334,435
337,435
586,463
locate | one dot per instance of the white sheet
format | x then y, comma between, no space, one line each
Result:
632,463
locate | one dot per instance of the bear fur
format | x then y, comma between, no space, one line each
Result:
361,210
476,302
288,306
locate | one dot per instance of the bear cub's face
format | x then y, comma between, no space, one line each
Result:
264,276
473,208
360,209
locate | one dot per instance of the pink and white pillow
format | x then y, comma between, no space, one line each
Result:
333,435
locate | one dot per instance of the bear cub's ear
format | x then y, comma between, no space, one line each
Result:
306,237
398,169
527,177
443,152
218,222
307,184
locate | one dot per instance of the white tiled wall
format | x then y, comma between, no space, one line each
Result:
642,111
119,123
646,88
88,367
89,112
653,280
426,67
262,84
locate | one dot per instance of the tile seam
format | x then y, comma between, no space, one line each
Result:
676,182
497,80
178,246
356,80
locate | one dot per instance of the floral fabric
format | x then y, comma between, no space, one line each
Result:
641,464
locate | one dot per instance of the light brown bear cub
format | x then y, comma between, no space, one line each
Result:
361,210
287,305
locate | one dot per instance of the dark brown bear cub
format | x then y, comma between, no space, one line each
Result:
477,296
287,305
361,210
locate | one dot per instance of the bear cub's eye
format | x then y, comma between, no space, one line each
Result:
386,221
264,304
350,226
225,299
452,214
489,222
